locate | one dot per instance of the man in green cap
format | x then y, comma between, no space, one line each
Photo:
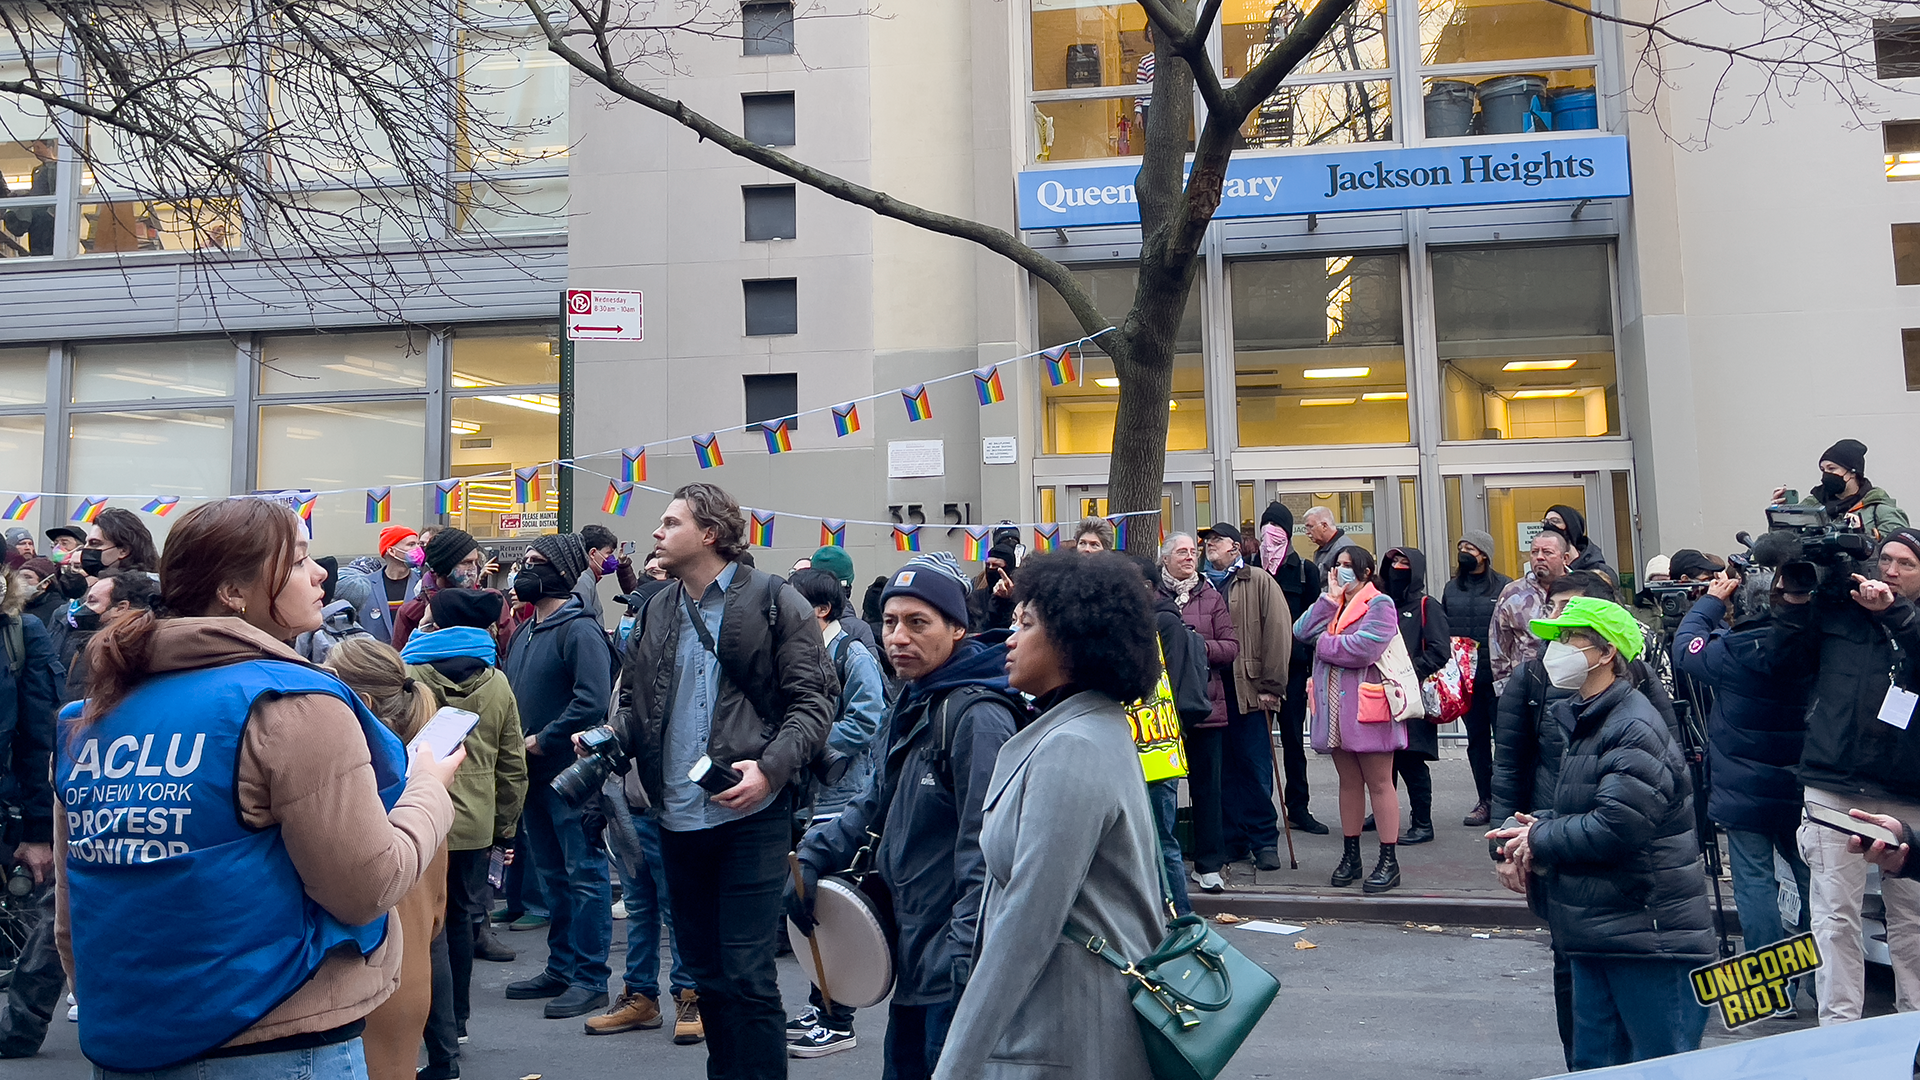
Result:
1628,904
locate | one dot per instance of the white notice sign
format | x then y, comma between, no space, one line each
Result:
999,450
908,458
603,315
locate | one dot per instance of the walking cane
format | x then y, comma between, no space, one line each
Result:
1280,792
820,969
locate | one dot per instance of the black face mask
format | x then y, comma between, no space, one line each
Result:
86,619
537,581
1831,485
1468,564
92,561
71,586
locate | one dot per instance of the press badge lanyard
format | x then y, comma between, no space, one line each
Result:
1898,706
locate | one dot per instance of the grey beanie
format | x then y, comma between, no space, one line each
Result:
355,589
566,551
1479,539
934,579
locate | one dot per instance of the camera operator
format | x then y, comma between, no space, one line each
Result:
1857,639
1755,731
1844,491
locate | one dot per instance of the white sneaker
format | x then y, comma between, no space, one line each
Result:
73,1014
1209,882
70,1000
619,909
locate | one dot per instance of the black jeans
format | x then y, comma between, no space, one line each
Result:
724,884
468,898
1205,749
1249,823
442,1034
1413,766
37,984
1479,724
1293,720
915,1036
838,1018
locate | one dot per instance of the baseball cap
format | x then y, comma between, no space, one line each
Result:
1221,528
1603,617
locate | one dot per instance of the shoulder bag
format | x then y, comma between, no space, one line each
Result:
1400,681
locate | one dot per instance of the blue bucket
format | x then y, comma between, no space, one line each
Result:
1574,110
1513,104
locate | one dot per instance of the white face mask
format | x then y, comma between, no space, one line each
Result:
1566,665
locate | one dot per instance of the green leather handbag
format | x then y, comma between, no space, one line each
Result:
1196,997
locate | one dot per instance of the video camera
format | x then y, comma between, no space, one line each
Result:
1811,553
1673,598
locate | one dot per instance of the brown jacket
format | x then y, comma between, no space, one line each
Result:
1264,624
304,766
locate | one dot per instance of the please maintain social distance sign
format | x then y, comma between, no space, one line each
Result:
1282,185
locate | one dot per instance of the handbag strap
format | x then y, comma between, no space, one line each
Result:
1098,945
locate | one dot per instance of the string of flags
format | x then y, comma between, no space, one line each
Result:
448,495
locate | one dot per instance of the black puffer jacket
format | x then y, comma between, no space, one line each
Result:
1529,742
1758,724
1849,651
1470,600
1619,842
1423,626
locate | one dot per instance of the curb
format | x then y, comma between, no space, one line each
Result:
1356,907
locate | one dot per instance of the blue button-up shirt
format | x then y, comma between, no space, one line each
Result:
696,690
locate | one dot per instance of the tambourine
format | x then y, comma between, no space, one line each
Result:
853,942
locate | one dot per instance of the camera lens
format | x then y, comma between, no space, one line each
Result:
21,883
578,781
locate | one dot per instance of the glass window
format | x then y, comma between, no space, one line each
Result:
1326,114
505,204
1352,511
1896,48
1094,128
514,106
154,370
310,363
122,166
494,435
771,212
1477,31
1910,354
185,452
324,446
773,397
517,355
1623,532
1562,100
1085,43
1902,141
1251,28
1079,415
766,29
27,169
1526,342
23,376
326,115
1513,519
179,225
773,306
351,218
1906,254
767,119
22,449
1319,353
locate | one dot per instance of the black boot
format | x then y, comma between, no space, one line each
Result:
1386,872
1417,832
1349,870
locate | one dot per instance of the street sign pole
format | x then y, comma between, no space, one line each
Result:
565,478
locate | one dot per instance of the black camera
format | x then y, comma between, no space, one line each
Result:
1811,553
1673,598
604,757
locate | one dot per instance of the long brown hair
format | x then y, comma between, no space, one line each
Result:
375,671
231,542
123,529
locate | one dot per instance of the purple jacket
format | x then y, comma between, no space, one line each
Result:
1345,656
1207,613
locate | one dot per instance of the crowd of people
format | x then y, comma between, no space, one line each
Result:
992,749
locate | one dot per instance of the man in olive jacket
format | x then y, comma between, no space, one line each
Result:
728,666
1264,624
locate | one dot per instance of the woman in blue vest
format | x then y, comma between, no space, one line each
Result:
233,823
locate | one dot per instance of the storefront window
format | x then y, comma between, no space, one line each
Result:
1352,512
179,452
1459,105
23,376
1513,519
1079,415
514,355
1457,33
326,446
154,370
496,434
1526,342
1319,353
22,451
1478,31
1325,114
312,363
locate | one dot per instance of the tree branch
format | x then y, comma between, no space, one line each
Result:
1266,76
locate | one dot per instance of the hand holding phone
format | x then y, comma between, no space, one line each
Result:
1864,827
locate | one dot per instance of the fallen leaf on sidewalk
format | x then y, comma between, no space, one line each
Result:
531,1076
1228,918
1304,944
1434,929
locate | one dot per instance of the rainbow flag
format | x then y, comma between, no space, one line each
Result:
986,383
619,494
1045,538
833,533
1119,532
448,496
760,528
1060,369
846,419
20,507
779,439
303,505
633,464
379,505
706,450
161,505
526,485
89,510
906,538
918,407
973,547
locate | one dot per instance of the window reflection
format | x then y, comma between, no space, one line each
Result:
316,362
1079,416
1084,43
1249,30
138,225
1476,31
28,169
154,370
350,444
1331,114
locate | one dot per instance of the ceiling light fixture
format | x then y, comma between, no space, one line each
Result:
1326,401
1337,372
1538,365
1531,394
1395,395
1108,383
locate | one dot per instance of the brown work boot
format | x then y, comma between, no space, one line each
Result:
687,1028
631,1013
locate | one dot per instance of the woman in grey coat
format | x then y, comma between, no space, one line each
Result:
1068,834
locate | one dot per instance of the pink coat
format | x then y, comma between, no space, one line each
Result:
1207,613
1347,646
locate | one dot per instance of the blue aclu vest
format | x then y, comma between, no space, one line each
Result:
189,926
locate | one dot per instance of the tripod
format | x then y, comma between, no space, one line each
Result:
1691,702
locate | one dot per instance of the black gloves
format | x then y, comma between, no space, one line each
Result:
798,909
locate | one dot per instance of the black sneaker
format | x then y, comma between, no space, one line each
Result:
820,1042
1308,824
800,1026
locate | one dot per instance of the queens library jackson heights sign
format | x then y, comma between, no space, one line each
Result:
1461,174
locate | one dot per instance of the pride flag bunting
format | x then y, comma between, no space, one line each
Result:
846,419
526,485
973,547
1045,538
706,450
379,505
918,407
1060,369
986,383
448,496
779,439
760,528
89,509
833,533
633,464
161,505
906,538
20,507
619,494
1119,532
303,505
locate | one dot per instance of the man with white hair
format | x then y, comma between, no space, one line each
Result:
1322,531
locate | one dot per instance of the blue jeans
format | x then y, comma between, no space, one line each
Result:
574,876
341,1061
648,909
915,1036
1632,1010
1165,795
1756,891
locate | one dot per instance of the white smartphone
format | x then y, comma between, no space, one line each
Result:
1841,821
445,732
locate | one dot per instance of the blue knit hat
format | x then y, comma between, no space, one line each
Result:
934,579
